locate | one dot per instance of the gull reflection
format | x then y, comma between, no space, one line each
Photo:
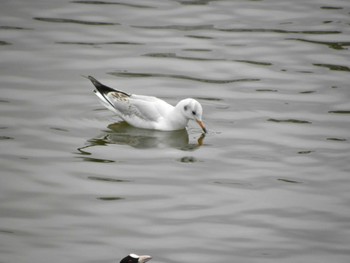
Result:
124,134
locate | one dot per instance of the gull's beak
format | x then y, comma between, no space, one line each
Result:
201,124
144,259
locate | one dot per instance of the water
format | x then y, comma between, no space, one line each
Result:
269,183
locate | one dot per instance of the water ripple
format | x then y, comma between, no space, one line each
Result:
280,31
175,76
173,55
74,21
107,179
195,2
110,198
340,111
289,181
109,3
4,43
238,30
14,28
290,121
178,27
332,7
333,67
337,45
97,43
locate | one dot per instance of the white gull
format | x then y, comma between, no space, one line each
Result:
149,112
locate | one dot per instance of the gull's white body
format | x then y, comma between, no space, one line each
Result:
149,112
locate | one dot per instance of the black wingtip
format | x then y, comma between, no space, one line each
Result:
103,89
95,81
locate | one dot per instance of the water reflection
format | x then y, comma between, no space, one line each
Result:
124,134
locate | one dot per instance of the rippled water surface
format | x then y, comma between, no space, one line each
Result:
270,182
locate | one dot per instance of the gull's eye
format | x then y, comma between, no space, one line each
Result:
193,112
185,108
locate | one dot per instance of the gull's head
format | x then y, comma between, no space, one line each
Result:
133,258
193,110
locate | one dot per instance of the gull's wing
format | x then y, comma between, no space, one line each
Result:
130,106
148,107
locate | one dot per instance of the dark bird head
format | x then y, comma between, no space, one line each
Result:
133,258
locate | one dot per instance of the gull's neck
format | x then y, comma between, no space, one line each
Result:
177,118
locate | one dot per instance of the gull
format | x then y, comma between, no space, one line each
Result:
149,112
133,258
